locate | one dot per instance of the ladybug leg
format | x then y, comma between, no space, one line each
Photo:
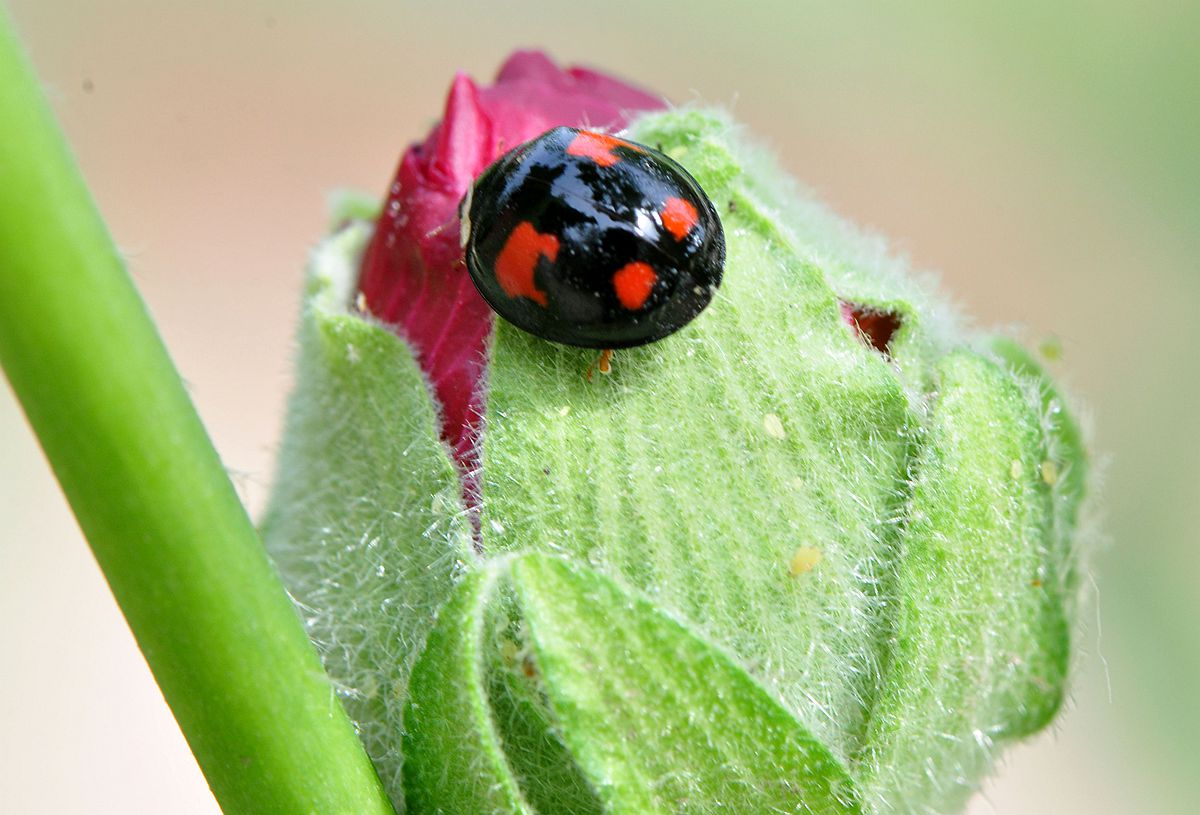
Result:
603,364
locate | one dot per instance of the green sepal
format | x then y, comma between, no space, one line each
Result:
456,763
654,719
366,522
980,647
1066,453
659,720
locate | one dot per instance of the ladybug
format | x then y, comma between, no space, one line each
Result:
587,239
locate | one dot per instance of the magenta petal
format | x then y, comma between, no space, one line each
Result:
875,327
528,64
464,137
413,276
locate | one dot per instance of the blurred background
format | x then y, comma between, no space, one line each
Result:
1043,158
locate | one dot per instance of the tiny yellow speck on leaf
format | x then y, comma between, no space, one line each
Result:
1050,472
773,426
803,560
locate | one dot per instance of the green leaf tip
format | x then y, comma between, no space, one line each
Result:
761,567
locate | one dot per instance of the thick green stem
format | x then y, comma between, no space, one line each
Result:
150,493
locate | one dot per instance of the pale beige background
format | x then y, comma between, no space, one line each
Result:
1043,161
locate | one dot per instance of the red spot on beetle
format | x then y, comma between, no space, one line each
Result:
679,217
519,258
873,326
598,147
634,282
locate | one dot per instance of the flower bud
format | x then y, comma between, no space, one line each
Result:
798,556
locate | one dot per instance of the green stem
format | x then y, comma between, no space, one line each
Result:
150,493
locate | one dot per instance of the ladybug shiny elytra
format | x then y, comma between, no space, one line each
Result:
586,239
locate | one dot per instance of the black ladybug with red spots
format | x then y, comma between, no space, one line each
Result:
587,239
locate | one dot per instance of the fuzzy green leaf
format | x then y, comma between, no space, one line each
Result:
658,720
1068,457
649,718
366,521
456,763
981,641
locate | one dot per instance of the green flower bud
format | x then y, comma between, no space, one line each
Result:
770,564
